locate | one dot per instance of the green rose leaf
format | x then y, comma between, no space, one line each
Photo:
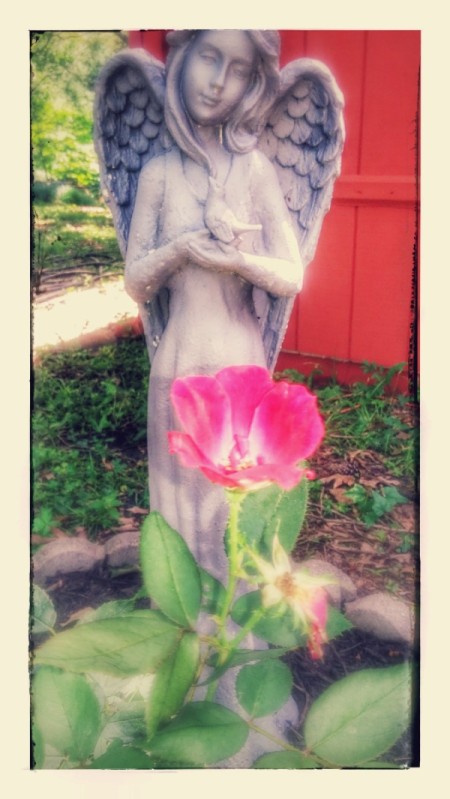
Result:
109,610
361,716
262,688
257,513
202,734
172,682
38,747
66,712
277,626
135,644
240,657
120,756
271,510
213,593
170,573
291,512
337,623
43,614
285,760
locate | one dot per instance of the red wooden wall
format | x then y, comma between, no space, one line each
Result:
358,301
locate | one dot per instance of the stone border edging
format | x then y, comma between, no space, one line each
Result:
381,614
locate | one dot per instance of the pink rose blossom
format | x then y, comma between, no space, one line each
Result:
302,592
243,430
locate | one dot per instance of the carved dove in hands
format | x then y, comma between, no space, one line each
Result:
220,219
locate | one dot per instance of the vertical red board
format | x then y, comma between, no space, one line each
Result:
382,289
152,40
292,45
324,305
320,322
343,52
390,103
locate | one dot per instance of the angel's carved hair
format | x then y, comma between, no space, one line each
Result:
241,130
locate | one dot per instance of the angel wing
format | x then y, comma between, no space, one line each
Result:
303,138
129,129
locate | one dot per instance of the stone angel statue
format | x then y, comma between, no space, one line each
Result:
218,169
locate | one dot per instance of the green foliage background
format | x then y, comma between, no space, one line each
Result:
64,68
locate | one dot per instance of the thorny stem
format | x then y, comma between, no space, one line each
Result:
254,619
235,499
200,667
211,691
226,654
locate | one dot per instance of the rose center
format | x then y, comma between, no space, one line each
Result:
239,457
286,584
237,464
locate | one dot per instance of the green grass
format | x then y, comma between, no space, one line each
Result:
88,435
364,416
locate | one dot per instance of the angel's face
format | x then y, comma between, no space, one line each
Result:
216,75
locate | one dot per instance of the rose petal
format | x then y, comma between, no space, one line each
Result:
203,409
190,455
220,477
242,430
245,387
319,608
280,557
271,596
256,477
287,426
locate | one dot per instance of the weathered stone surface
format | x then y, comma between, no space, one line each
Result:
342,590
123,550
66,555
383,615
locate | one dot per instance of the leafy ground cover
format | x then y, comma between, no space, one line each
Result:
89,438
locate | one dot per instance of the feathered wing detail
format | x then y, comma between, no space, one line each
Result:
129,104
129,129
303,139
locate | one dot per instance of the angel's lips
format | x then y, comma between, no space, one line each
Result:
244,431
211,101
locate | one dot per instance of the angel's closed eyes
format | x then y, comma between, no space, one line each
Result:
217,74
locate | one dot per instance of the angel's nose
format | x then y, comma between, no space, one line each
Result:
218,79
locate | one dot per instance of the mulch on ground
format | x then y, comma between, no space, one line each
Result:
380,557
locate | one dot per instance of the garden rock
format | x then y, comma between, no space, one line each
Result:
342,590
123,550
383,615
66,555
